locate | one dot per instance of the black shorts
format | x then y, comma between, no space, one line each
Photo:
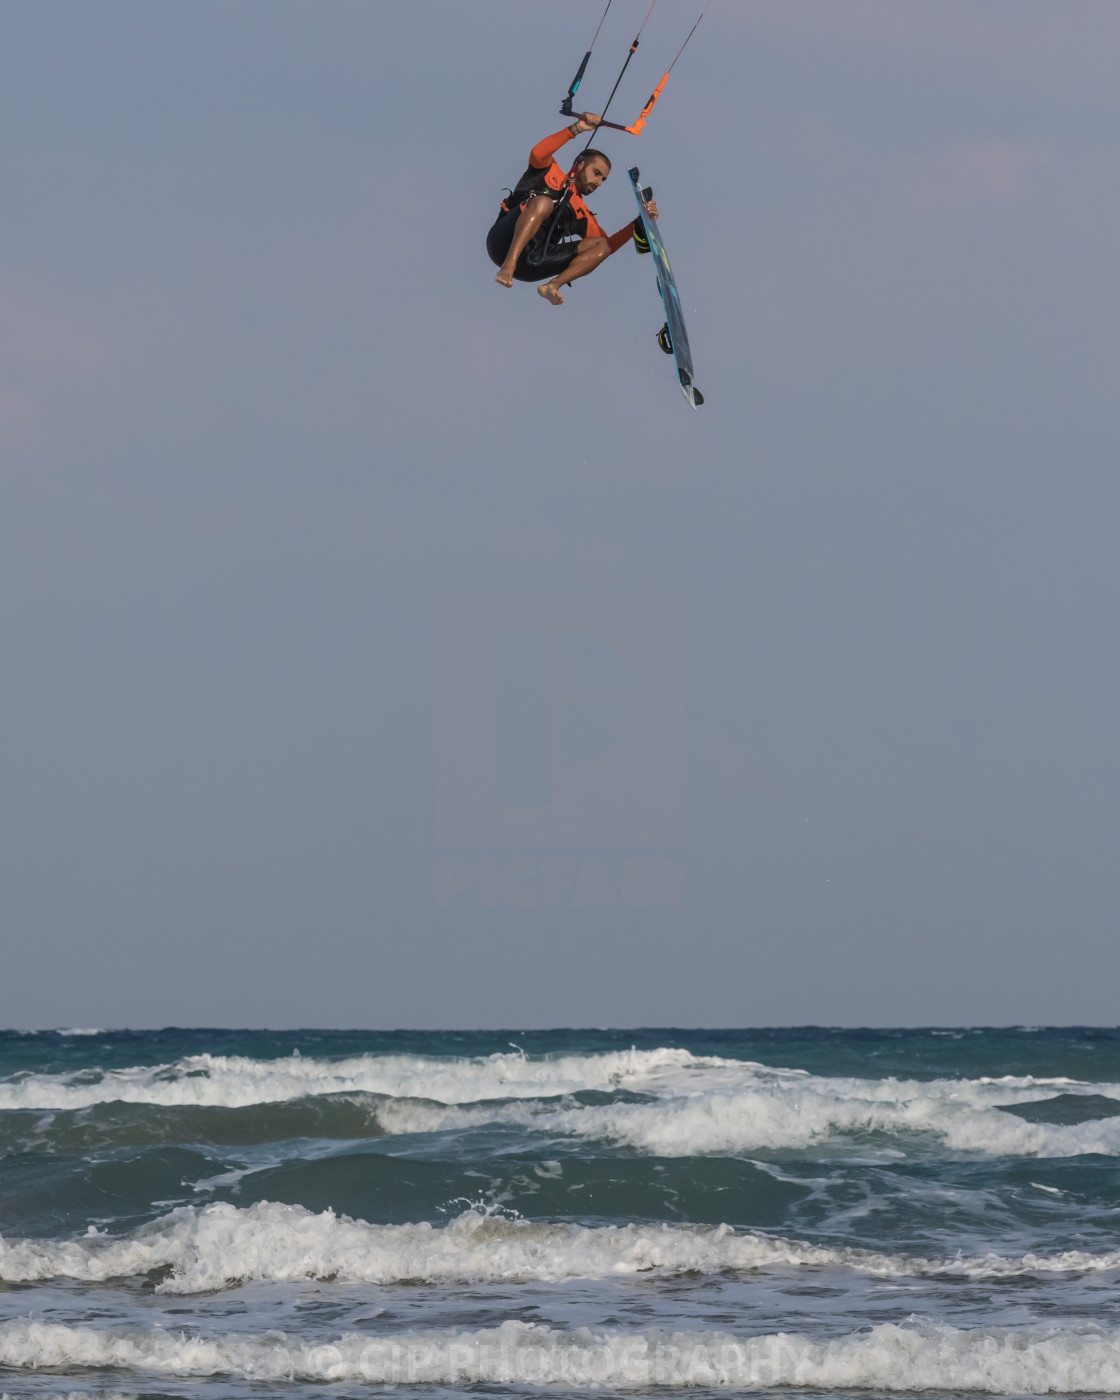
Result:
531,267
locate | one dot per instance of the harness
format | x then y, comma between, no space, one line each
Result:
566,223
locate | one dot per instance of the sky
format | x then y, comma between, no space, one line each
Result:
384,648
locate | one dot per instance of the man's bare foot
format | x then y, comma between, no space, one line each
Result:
551,292
504,277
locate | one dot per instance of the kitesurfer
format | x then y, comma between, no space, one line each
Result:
545,230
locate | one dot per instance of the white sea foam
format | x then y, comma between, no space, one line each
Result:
775,1110
700,1105
911,1357
964,1116
236,1081
216,1246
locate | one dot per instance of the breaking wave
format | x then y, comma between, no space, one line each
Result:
668,1102
235,1081
910,1357
214,1247
786,1110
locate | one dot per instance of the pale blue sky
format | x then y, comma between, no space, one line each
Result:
268,430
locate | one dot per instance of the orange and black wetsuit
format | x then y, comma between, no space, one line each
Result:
557,241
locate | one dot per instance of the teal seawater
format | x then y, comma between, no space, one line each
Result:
216,1212
1081,1051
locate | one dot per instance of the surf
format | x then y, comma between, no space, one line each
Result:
220,1246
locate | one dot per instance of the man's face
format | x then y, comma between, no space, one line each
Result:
591,175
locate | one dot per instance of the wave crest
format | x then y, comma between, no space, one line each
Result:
236,1081
219,1246
914,1356
668,1101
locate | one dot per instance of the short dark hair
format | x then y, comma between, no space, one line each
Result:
591,153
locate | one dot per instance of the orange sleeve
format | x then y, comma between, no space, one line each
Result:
540,157
596,230
616,240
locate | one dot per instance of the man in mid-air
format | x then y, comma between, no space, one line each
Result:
545,230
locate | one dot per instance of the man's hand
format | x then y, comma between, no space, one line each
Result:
588,121
652,207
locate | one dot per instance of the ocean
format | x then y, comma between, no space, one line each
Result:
205,1213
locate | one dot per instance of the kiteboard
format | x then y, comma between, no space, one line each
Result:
673,338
